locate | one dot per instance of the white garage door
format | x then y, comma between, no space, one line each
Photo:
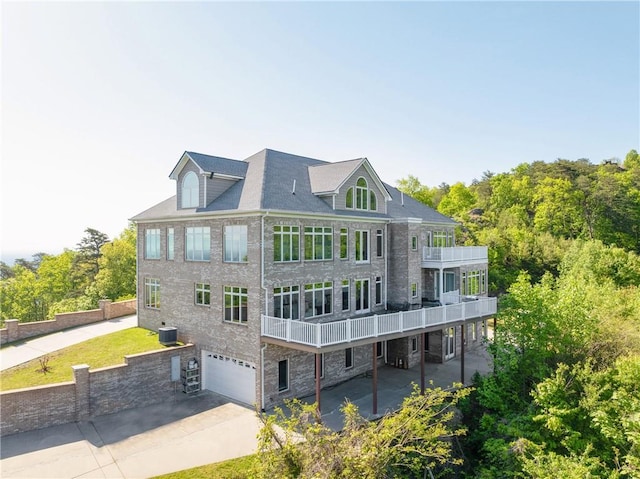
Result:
230,377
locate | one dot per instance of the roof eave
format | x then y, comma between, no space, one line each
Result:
180,165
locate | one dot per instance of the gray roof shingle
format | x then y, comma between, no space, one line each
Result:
217,164
268,184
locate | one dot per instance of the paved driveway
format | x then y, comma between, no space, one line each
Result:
138,443
22,351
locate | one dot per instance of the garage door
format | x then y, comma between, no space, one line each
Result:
228,376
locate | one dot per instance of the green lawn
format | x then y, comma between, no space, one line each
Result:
107,350
232,469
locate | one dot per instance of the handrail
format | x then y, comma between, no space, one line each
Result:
378,325
455,253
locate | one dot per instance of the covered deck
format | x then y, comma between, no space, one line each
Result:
319,338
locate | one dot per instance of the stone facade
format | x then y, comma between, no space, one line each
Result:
389,277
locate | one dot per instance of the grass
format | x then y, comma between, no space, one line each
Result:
237,468
107,350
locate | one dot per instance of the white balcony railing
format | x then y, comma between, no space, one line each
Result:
455,254
450,297
347,330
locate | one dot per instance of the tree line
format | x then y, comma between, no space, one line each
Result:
529,216
75,280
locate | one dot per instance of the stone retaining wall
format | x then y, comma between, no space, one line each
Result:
144,379
15,330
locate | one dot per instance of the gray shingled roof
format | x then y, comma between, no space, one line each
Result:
268,184
404,206
217,164
329,176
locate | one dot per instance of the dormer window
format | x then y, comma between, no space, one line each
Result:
190,190
365,199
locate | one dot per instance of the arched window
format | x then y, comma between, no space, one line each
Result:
350,198
362,194
190,190
363,199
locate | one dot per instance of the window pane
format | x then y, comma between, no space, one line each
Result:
283,375
349,202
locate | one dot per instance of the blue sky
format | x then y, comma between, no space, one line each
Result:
99,100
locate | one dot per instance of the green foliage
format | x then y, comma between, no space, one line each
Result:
457,202
72,281
411,186
540,464
564,399
18,296
86,264
237,468
593,413
530,216
116,278
403,444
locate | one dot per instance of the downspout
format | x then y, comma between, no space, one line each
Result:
262,349
386,265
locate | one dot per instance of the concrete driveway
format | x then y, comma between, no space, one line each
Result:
137,443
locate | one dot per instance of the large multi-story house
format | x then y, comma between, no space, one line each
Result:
291,274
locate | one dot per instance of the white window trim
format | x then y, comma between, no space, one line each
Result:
361,234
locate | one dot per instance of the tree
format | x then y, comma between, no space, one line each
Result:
116,278
632,160
53,281
19,297
558,208
457,202
403,444
411,186
6,271
594,413
86,264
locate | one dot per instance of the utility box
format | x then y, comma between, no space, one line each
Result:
168,336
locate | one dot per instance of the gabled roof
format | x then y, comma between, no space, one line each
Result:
212,165
329,178
273,180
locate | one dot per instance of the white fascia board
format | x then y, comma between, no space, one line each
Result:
184,159
223,176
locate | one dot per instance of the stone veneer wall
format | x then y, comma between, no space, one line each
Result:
144,379
302,371
15,330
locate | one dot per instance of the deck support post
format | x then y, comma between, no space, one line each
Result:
462,347
422,345
374,406
318,374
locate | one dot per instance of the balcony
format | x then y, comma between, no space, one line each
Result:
453,256
378,327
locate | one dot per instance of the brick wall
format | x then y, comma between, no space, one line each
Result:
15,330
144,379
36,408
